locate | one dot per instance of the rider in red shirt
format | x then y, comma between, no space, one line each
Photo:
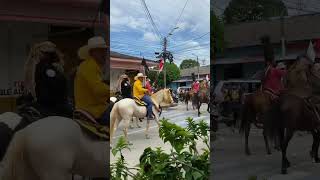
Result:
148,86
273,79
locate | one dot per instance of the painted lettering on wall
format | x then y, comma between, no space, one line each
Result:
16,90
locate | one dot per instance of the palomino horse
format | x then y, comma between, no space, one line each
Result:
54,148
293,111
125,109
202,96
255,105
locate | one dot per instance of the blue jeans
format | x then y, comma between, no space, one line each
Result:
149,102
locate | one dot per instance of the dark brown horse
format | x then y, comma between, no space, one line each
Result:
203,96
255,105
294,112
189,96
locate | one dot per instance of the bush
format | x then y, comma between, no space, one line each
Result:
183,162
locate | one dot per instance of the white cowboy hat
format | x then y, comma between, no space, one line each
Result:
94,42
139,75
281,66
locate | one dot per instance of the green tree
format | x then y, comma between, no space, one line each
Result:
253,10
188,63
173,73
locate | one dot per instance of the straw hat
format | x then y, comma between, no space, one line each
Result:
93,43
139,75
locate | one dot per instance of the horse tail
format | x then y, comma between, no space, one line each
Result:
245,114
14,163
272,120
114,117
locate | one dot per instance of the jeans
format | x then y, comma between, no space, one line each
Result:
149,102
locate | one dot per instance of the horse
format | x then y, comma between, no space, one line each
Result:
189,96
254,106
125,109
293,110
54,148
202,97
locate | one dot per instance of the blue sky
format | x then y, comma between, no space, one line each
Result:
132,33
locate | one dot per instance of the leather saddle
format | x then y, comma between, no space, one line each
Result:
139,102
91,125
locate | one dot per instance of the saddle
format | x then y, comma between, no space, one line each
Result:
90,125
139,102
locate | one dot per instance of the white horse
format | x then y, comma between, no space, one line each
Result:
54,148
125,109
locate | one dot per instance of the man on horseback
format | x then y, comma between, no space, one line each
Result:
195,85
124,86
91,93
142,93
45,81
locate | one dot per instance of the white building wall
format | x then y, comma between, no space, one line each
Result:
15,40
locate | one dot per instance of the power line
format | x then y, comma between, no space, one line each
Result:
179,16
196,46
150,19
201,36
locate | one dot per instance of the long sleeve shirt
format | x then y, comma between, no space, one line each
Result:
138,90
91,93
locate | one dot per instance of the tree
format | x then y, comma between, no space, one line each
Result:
189,63
172,71
253,10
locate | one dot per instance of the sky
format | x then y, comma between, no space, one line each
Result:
131,32
308,6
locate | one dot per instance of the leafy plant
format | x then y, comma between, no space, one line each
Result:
183,162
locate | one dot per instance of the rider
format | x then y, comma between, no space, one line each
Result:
142,93
91,93
125,86
272,83
195,85
148,86
46,82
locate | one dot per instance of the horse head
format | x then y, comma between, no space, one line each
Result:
167,97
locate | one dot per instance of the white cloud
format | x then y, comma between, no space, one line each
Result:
148,36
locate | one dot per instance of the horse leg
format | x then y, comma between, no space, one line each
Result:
126,122
199,105
147,130
315,146
137,123
247,132
266,142
285,162
131,126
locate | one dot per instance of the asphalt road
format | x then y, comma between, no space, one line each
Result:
231,163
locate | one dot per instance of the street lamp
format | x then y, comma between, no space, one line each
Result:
198,64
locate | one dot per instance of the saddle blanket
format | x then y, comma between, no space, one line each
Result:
91,126
139,102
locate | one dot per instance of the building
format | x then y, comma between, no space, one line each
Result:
67,23
125,64
186,76
243,55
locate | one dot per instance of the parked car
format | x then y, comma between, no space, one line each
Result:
247,87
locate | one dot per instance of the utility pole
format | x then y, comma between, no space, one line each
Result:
197,65
164,59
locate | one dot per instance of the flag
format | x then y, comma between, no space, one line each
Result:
161,64
310,52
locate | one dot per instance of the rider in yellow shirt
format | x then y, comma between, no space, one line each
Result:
91,93
142,93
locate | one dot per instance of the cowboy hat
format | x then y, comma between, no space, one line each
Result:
139,75
281,66
93,43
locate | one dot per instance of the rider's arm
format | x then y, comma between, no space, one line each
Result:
140,88
94,80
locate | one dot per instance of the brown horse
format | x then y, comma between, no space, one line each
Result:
255,105
189,96
294,112
202,96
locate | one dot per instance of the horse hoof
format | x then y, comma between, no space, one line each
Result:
139,126
148,137
269,153
284,171
130,127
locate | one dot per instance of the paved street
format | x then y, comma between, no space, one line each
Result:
231,163
176,114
